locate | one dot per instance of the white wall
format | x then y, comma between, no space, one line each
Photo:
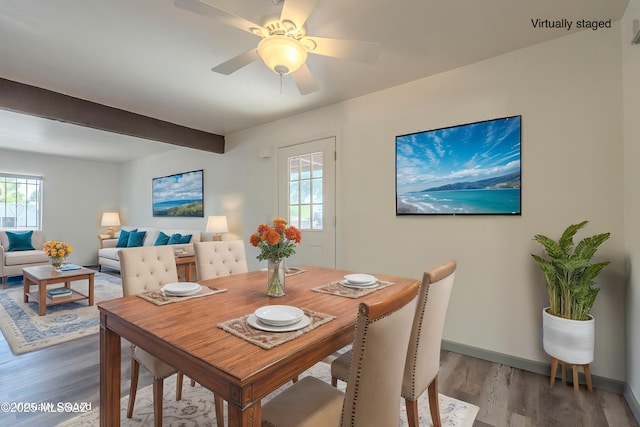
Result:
136,180
75,193
569,93
631,97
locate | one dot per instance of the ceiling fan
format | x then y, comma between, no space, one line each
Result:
284,44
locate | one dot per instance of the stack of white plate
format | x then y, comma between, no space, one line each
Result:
278,318
181,289
359,281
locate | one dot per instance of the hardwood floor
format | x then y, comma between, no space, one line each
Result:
506,396
512,397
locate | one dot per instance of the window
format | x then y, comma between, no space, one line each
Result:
305,191
20,201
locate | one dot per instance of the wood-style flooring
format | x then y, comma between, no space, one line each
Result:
506,396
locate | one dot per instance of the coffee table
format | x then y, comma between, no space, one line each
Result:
44,275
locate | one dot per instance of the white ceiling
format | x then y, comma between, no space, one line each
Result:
153,58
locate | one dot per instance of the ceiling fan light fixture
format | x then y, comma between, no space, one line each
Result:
282,54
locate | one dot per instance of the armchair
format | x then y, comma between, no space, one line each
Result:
12,262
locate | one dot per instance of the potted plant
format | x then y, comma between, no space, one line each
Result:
568,328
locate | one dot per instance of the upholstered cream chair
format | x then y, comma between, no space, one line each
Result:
371,397
219,258
148,268
423,357
12,262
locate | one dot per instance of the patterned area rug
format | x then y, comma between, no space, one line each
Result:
25,331
196,407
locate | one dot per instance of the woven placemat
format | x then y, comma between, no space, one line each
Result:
335,288
158,298
267,340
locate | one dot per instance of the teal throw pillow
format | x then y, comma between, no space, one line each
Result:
123,240
136,238
20,241
174,239
162,239
178,238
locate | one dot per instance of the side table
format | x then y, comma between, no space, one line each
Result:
186,265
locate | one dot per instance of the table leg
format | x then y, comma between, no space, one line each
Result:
109,375
250,417
26,285
42,298
91,289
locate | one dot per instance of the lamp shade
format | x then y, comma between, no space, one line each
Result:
282,54
110,219
217,224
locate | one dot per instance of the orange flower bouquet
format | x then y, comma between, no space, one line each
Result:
57,252
276,242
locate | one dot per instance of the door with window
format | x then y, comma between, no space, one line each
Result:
306,199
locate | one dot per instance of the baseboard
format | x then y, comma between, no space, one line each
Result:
632,400
541,368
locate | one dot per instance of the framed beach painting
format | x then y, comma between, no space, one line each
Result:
469,169
178,195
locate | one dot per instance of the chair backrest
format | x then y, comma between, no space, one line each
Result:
219,258
379,351
423,356
146,268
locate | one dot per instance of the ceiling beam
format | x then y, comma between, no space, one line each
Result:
35,101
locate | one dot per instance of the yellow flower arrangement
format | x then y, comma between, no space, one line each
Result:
57,251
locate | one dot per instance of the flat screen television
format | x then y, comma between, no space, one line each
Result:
180,194
469,169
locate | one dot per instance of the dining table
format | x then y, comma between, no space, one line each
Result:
187,335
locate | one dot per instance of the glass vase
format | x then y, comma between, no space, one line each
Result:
275,278
56,261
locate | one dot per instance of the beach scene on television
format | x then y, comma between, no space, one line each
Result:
178,195
470,169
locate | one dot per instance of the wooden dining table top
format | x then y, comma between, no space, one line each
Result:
186,336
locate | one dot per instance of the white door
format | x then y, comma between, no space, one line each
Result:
306,199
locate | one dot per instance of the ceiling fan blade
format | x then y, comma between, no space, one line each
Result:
346,49
304,80
209,10
234,64
297,11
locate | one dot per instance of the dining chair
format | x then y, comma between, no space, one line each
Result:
371,398
219,258
148,268
423,356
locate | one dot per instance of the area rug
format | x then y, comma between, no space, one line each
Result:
196,407
25,331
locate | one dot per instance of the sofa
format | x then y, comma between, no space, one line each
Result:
27,251
146,236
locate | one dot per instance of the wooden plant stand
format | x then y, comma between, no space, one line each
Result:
574,368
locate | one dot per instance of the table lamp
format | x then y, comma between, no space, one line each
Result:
217,225
110,219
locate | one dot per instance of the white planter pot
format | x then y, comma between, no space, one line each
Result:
572,341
